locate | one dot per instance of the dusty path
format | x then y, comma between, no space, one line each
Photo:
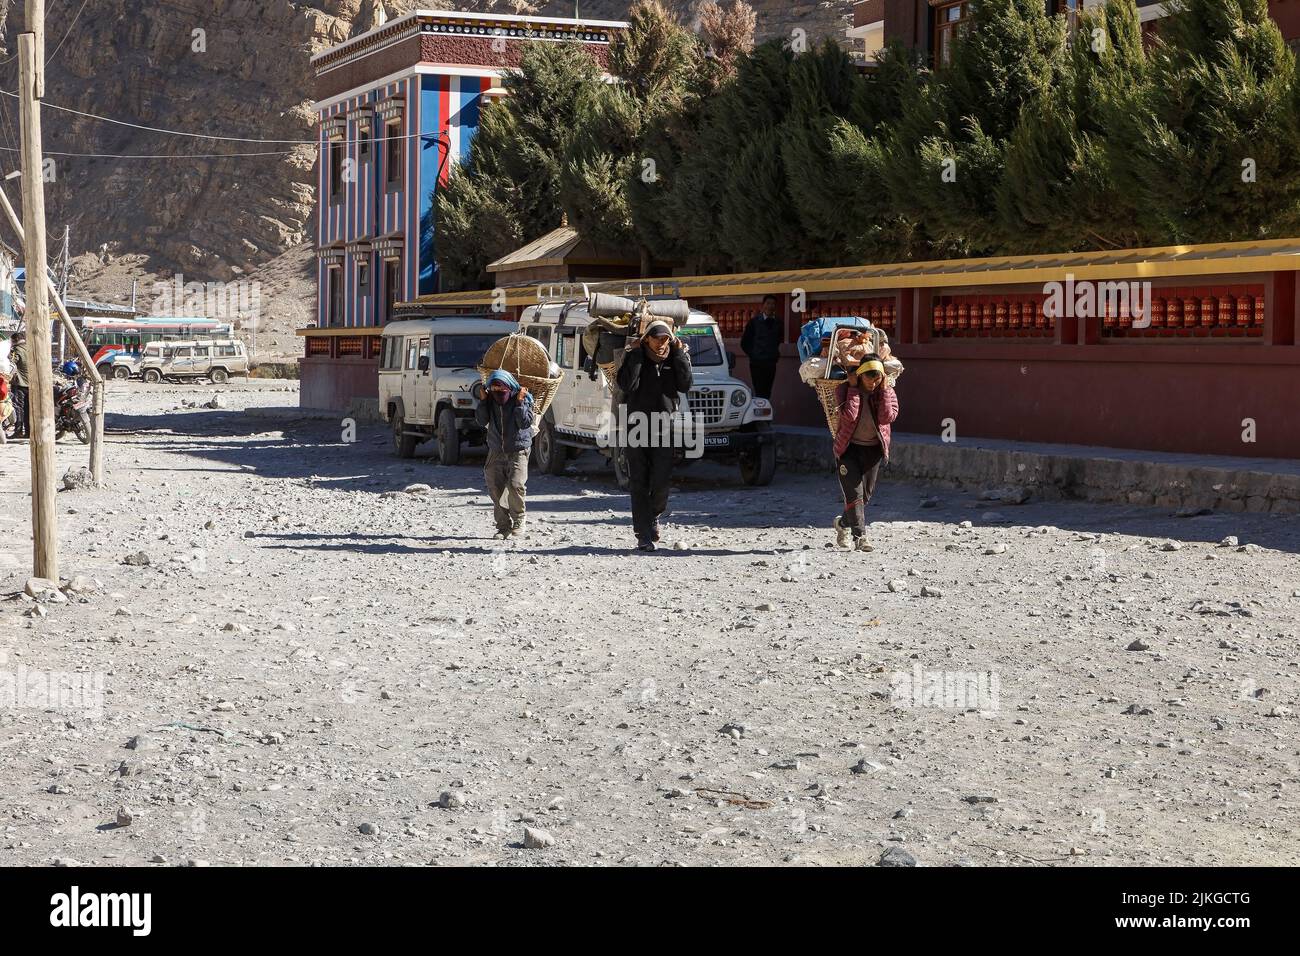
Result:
325,658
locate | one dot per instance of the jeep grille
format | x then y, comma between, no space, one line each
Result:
707,405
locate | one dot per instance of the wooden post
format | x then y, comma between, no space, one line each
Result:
40,385
83,353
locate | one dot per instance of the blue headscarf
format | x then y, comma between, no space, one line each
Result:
509,381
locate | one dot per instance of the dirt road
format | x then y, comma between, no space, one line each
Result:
304,663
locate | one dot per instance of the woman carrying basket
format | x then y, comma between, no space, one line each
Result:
868,406
505,410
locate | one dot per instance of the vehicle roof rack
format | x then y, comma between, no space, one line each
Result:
551,292
656,289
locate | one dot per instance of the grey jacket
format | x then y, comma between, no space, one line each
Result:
509,426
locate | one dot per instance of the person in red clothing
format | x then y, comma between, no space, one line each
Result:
868,407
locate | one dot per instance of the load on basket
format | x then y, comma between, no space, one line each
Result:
614,318
526,359
830,346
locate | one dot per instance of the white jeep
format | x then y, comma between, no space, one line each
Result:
426,370
733,421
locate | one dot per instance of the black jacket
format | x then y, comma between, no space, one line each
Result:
761,340
650,386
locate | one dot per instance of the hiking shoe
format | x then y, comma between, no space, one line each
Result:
518,527
646,545
862,544
841,533
502,533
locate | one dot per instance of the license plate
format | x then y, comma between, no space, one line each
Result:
715,441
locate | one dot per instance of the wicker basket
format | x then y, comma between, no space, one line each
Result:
826,389
525,358
609,370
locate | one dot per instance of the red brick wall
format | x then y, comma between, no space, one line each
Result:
368,69
436,48
1287,15
868,11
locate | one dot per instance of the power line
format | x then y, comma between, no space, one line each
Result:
49,6
274,152
46,104
68,33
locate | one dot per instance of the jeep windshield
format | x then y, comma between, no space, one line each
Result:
702,343
462,350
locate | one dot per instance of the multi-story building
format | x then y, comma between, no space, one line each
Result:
398,106
930,25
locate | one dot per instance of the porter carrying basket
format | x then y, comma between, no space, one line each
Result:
525,358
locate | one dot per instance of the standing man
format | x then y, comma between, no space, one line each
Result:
655,371
762,343
505,410
21,414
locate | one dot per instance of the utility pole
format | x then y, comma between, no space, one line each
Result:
40,394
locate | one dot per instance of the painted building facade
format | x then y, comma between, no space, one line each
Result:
397,107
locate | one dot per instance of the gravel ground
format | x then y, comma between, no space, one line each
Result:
316,666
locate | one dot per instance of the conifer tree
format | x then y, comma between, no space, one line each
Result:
1210,143
943,161
1058,192
655,61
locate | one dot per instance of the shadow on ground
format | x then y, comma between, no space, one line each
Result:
706,494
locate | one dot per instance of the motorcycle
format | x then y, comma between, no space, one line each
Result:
72,409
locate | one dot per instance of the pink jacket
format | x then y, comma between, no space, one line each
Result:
882,404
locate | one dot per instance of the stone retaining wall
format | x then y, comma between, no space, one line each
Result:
1015,474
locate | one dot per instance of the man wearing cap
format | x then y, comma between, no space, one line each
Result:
505,410
656,370
868,407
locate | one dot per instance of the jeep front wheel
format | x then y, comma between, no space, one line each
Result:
448,438
548,454
758,465
403,444
621,473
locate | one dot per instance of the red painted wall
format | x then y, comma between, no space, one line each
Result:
333,382
1159,397
1287,15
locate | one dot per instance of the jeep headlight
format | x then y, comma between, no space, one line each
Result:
739,397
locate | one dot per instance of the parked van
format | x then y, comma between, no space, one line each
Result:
426,370
180,359
734,422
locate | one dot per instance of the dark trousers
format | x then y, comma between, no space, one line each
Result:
22,417
649,472
858,468
762,375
